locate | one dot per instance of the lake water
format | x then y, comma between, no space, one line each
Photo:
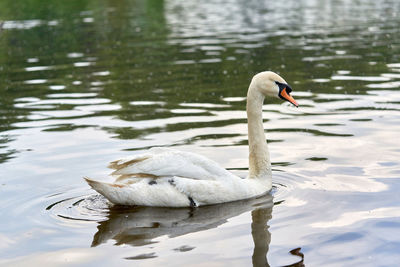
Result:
85,82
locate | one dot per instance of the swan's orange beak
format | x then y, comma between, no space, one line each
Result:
285,95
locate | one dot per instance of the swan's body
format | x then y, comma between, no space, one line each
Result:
170,178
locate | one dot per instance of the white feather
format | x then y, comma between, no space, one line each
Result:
169,162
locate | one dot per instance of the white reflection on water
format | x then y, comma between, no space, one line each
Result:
186,111
384,85
57,87
234,99
75,55
32,60
71,95
349,218
394,65
21,24
64,257
343,183
292,201
360,78
38,68
325,58
6,242
36,81
66,101
83,64
146,103
203,105
101,73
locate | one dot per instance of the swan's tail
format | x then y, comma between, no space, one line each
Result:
106,189
96,185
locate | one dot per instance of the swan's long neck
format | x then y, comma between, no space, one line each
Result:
259,162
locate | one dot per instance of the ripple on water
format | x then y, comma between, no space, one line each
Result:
81,208
282,186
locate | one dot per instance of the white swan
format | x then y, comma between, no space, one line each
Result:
165,177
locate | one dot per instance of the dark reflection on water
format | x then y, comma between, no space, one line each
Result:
85,82
261,235
139,226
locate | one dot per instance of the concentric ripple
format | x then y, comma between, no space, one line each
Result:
83,208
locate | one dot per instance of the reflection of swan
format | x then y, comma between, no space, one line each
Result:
261,235
171,178
139,226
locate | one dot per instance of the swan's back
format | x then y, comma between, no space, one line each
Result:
165,162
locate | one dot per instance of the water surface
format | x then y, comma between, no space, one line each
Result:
83,83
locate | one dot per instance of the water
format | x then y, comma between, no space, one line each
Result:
83,83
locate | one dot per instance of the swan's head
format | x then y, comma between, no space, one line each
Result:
273,85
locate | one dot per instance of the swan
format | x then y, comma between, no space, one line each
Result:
164,177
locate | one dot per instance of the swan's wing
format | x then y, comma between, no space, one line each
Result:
165,162
170,178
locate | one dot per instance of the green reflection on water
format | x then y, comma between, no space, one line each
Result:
130,41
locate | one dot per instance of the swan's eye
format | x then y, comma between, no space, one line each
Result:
283,86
